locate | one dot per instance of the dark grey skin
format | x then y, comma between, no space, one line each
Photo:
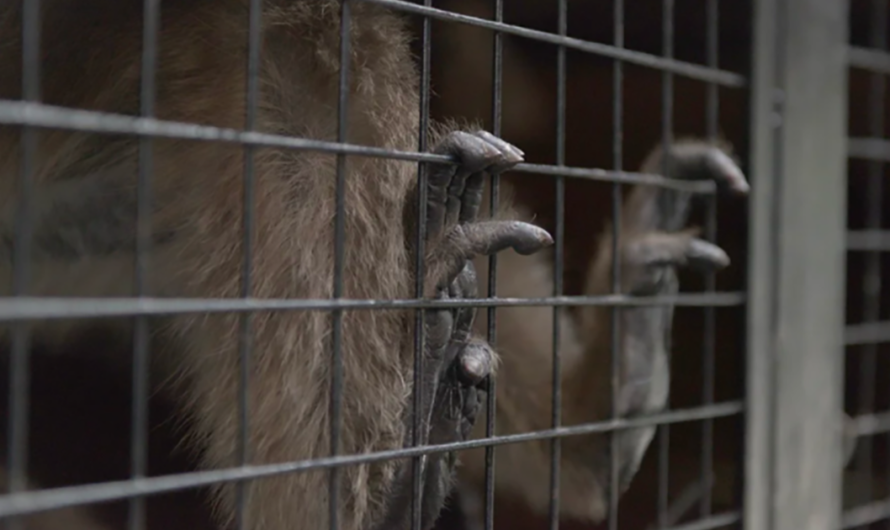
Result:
456,366
655,247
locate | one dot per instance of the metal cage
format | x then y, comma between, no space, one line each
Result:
796,247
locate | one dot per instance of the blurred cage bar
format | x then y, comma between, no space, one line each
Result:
795,327
866,495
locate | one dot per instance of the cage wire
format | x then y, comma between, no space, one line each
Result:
868,53
31,115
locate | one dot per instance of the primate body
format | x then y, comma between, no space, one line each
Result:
84,232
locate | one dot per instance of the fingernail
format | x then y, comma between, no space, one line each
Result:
473,369
545,237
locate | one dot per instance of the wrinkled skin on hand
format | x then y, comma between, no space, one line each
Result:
456,366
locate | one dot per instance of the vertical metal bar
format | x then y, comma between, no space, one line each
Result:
339,243
763,256
491,407
20,376
422,172
879,40
615,344
810,228
558,265
253,73
709,339
139,437
871,278
667,101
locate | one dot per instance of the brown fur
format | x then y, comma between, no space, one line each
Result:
91,58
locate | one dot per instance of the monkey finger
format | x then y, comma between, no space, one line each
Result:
464,286
508,156
439,328
728,173
491,237
455,197
465,242
447,184
472,403
472,198
471,151
474,363
659,249
701,160
705,256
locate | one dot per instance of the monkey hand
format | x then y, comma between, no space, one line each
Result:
698,160
650,262
459,366
454,236
658,245
667,210
455,371
455,366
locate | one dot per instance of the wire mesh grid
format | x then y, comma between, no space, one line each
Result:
32,115
866,487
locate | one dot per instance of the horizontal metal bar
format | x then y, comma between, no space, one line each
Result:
870,424
867,333
866,515
49,116
868,240
49,499
869,148
623,177
690,70
869,59
709,523
14,112
31,308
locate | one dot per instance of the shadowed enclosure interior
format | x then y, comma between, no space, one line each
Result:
865,336
586,89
